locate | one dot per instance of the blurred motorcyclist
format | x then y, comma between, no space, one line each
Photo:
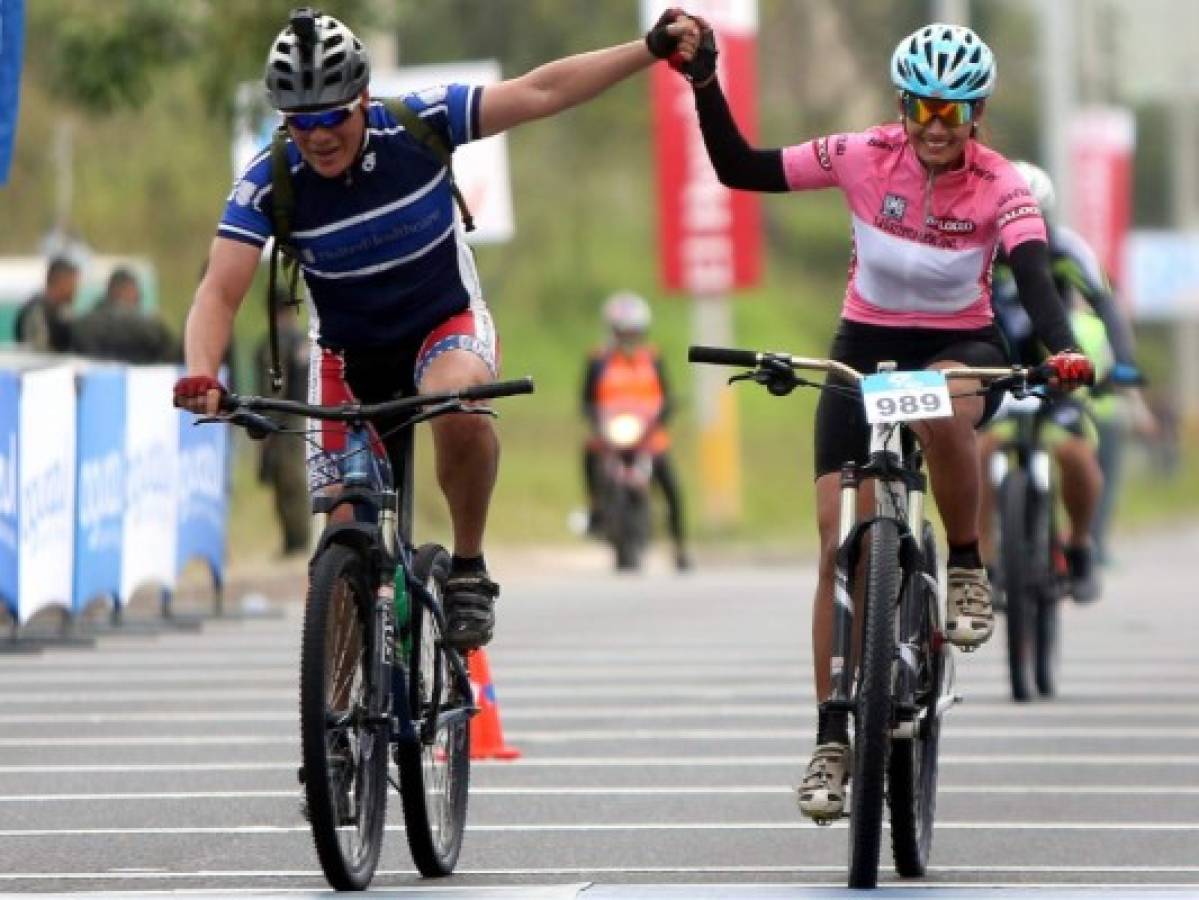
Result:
628,371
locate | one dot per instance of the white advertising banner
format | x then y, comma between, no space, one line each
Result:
149,534
46,504
480,167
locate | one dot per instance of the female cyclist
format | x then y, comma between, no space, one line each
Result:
929,203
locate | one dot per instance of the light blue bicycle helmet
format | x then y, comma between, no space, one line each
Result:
948,62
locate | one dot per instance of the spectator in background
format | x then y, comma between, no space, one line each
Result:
117,329
282,464
44,322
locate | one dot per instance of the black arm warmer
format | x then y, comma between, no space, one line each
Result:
591,387
737,164
667,394
1119,332
1038,295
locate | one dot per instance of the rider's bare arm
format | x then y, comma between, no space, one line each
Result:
567,82
231,268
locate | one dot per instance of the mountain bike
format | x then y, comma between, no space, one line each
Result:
897,680
1031,562
375,672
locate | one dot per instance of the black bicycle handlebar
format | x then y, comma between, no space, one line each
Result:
723,356
350,412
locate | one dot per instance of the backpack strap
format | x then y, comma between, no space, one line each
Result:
283,206
419,129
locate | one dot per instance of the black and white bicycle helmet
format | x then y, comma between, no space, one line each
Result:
315,62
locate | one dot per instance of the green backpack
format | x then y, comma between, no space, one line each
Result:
284,205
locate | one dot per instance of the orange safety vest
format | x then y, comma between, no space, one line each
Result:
629,381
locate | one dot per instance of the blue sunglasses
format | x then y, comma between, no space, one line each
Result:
325,118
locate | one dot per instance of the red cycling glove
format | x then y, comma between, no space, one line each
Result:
1071,369
195,387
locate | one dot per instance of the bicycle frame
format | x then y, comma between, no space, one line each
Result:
383,519
894,461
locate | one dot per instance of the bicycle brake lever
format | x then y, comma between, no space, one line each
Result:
257,427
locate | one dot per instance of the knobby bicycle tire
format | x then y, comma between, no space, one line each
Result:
1046,631
344,755
912,778
435,777
1016,551
872,715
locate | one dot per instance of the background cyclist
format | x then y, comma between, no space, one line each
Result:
1105,336
392,280
929,203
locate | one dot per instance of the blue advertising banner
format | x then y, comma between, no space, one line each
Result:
9,398
203,494
100,496
11,38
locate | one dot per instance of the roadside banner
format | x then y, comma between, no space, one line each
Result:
1101,146
100,502
709,235
9,400
203,494
46,476
1163,275
148,531
12,30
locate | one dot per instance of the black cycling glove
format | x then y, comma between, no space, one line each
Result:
660,42
702,67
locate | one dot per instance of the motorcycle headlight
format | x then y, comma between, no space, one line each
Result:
624,430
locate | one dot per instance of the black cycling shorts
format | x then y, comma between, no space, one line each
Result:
842,433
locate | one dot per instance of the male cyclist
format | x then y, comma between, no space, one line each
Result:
392,280
628,372
929,203
1105,337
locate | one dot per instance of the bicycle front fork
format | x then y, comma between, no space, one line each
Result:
850,545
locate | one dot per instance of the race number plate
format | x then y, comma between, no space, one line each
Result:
904,396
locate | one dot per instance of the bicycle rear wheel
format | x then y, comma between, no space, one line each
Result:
872,715
435,768
912,778
1016,551
344,752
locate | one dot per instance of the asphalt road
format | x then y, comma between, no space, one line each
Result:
663,719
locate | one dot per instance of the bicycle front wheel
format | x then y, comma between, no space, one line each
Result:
872,715
912,779
344,750
435,768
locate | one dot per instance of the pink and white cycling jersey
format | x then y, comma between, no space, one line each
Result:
923,245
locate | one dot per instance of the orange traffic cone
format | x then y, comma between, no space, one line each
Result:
486,735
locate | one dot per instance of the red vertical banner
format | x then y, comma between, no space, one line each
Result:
1101,147
709,236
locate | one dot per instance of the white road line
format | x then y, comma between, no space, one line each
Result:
653,870
784,707
1158,689
671,762
1089,790
581,827
122,695
517,736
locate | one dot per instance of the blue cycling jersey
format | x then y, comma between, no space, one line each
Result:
379,247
